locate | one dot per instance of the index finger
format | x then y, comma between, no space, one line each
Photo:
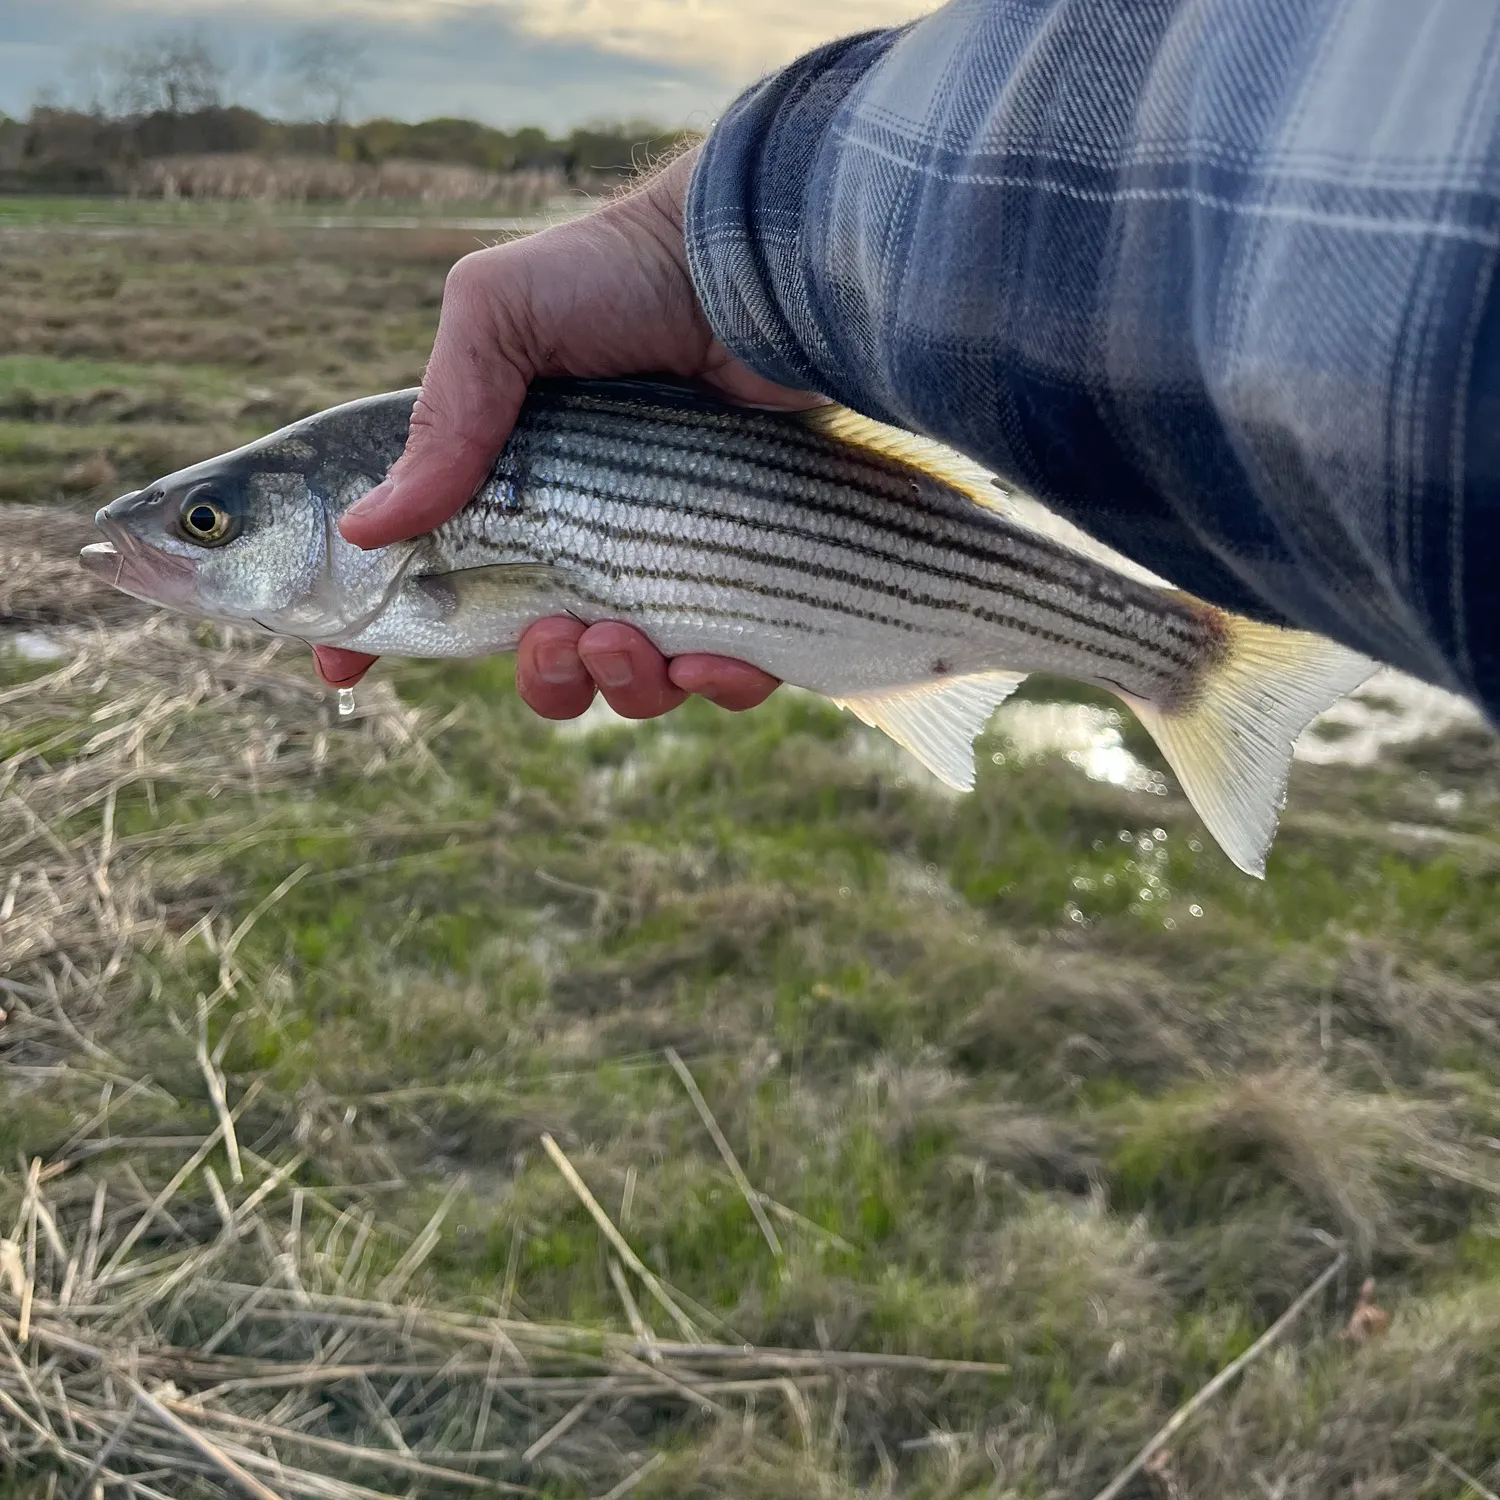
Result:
470,396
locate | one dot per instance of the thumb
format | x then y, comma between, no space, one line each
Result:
475,382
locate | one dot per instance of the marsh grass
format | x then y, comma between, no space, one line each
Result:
1049,1112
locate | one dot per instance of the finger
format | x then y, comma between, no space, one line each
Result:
550,676
744,387
340,668
630,671
475,382
734,685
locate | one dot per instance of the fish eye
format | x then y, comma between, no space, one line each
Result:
203,519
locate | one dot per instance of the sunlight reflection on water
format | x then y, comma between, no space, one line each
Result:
1087,737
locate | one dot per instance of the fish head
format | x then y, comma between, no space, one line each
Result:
250,538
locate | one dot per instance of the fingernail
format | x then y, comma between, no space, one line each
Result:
368,504
557,664
611,669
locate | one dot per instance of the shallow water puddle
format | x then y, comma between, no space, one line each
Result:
1087,737
1390,709
32,645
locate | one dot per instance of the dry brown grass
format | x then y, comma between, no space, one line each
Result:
351,309
41,582
297,1360
293,179
125,713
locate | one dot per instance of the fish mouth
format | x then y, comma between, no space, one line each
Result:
126,564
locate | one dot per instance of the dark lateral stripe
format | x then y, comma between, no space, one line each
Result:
718,612
1029,559
996,569
1150,664
1150,656
799,451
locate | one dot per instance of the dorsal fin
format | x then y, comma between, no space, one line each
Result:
932,458
952,468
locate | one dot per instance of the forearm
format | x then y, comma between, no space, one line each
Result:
1213,283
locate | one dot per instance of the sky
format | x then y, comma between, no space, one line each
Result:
554,63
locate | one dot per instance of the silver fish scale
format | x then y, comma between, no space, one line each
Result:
733,527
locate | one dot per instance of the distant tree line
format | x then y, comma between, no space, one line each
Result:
68,150
168,96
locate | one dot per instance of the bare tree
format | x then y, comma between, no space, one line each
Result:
172,73
324,68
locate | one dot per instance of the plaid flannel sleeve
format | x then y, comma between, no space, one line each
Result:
1212,278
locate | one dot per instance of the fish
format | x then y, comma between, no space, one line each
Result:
876,567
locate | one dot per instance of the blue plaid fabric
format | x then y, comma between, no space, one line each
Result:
1212,278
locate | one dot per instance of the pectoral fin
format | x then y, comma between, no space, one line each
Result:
938,722
497,588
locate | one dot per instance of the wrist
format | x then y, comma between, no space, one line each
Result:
657,203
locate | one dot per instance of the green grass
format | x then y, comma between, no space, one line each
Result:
1098,1152
157,350
49,375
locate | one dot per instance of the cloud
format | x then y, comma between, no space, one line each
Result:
738,40
554,63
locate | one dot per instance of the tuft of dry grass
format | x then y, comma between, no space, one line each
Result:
1347,1154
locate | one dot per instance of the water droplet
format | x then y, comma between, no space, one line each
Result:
1170,923
1195,911
1125,836
1195,846
1159,834
346,701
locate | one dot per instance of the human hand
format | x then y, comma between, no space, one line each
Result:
608,294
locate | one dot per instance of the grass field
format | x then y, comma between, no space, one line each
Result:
41,211
439,1102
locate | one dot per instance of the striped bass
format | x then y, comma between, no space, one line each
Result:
879,569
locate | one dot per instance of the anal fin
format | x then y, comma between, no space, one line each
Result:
939,721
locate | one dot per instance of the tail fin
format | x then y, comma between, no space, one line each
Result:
1232,746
